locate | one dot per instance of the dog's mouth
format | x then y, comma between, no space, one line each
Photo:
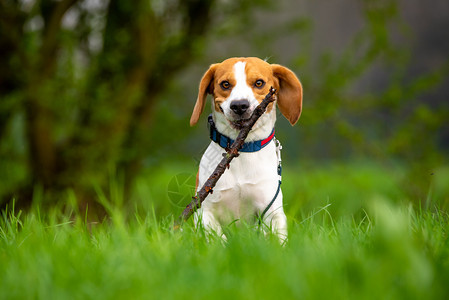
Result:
238,124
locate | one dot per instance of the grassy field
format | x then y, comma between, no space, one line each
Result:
353,233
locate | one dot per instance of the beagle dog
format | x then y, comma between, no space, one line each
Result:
251,185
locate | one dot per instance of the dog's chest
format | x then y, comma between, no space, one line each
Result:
248,173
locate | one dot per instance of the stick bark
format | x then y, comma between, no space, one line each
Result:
227,158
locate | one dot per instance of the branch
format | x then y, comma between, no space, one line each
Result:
227,158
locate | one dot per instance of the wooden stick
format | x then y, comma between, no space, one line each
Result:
227,158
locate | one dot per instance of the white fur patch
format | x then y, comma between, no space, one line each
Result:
241,89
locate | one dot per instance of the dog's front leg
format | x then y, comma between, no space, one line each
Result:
279,224
205,218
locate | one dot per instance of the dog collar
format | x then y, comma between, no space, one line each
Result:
226,142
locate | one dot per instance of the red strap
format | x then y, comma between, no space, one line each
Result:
268,139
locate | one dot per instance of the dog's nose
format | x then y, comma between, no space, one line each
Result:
239,106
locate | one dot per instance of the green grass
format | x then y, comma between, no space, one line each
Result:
363,242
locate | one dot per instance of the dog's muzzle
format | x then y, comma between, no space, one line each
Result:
239,107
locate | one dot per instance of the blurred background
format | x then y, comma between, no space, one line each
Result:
96,96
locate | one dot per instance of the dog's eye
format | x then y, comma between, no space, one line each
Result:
259,83
225,85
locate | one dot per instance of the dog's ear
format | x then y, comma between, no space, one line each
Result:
206,87
289,95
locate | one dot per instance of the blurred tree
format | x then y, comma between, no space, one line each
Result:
84,76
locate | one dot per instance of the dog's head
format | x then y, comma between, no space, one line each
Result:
238,85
